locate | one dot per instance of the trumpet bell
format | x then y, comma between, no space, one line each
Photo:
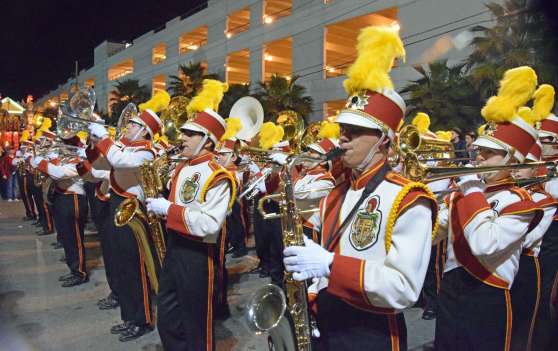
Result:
265,308
251,114
173,117
83,102
126,212
292,124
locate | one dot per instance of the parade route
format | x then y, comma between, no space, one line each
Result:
38,314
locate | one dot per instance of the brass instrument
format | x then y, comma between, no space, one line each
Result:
293,125
257,154
277,197
173,117
21,168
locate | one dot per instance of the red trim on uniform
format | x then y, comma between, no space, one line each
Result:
383,108
150,121
83,168
201,159
99,194
523,207
514,136
81,268
48,216
209,317
92,154
415,195
463,251
176,219
537,301
312,303
210,123
468,207
104,145
500,185
362,180
509,320
43,166
549,125
332,213
117,189
144,287
394,332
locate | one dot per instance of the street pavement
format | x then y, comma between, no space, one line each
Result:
36,313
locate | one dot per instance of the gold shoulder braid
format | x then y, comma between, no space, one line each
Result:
395,208
226,174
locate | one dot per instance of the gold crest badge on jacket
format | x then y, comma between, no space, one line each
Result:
365,228
189,188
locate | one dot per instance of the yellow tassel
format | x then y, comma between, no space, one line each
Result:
377,48
544,101
159,102
394,212
329,130
443,135
516,88
422,122
270,134
209,97
24,136
234,125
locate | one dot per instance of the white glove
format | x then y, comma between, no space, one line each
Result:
279,158
18,153
471,183
159,206
254,169
81,153
309,261
438,186
97,130
52,155
35,161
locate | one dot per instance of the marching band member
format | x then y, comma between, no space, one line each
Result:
123,160
45,217
376,226
70,207
546,324
486,227
200,197
22,179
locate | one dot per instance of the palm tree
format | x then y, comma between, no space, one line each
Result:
235,92
124,92
279,94
189,81
445,94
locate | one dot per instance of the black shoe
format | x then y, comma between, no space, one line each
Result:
62,259
58,245
75,281
42,232
230,249
65,277
429,314
237,253
134,332
108,304
120,328
111,296
37,223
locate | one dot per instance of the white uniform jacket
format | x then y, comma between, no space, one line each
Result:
201,193
66,177
382,256
533,239
487,231
123,161
100,177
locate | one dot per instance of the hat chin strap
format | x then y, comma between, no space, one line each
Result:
200,145
135,136
364,164
486,176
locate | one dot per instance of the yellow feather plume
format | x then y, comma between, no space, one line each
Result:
329,130
24,136
516,88
544,101
377,48
82,135
47,123
443,135
527,115
159,102
209,97
481,129
234,125
422,122
270,134
37,135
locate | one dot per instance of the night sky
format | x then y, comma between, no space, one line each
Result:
41,39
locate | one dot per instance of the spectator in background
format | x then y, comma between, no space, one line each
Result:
458,144
8,174
470,136
3,180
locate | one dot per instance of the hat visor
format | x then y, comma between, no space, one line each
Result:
354,119
487,143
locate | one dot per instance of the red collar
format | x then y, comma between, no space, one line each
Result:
142,143
502,184
201,159
362,180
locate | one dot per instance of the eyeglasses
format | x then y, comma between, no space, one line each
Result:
190,133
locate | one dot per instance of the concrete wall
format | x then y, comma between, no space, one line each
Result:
423,23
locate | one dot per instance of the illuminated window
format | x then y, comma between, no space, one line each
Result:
193,40
341,39
121,69
278,58
90,83
238,67
332,108
158,53
275,9
237,22
158,83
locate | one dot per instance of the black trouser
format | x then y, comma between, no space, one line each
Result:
546,325
101,211
433,277
90,195
222,273
275,234
49,217
185,299
343,327
525,295
471,315
129,267
22,183
236,233
37,194
261,236
69,221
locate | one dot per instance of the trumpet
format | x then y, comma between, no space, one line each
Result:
257,154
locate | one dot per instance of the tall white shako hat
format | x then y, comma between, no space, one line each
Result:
372,102
203,109
508,129
148,112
